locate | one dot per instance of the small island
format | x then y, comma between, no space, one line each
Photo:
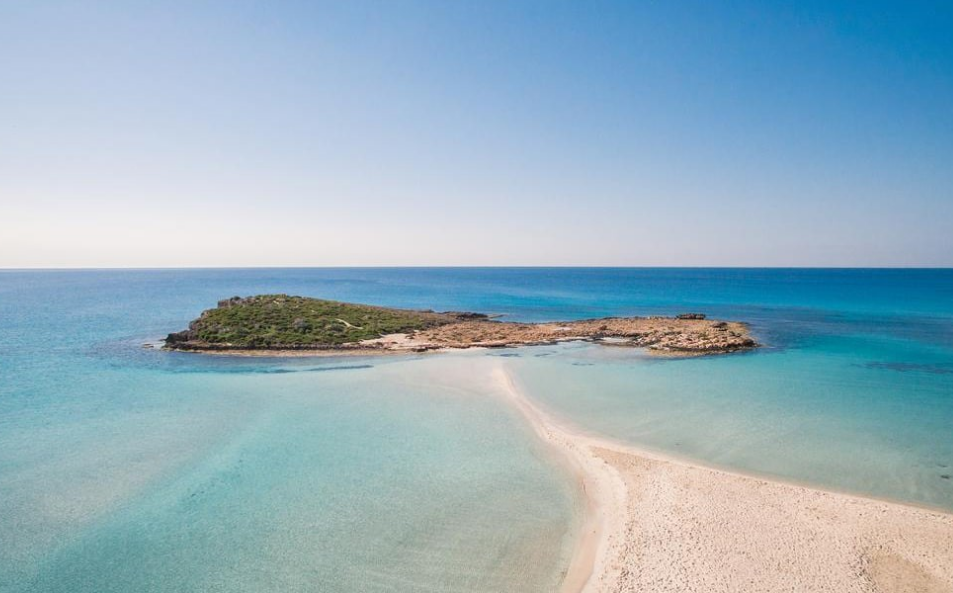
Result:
277,324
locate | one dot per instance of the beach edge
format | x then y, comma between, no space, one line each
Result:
604,548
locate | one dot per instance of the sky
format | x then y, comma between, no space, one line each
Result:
239,133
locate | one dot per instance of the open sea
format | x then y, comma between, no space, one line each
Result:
132,469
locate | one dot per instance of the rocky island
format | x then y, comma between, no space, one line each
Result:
281,324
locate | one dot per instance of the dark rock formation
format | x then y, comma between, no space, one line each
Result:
466,315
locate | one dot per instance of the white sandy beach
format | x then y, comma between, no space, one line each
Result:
664,525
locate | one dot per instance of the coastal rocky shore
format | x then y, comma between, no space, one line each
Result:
275,324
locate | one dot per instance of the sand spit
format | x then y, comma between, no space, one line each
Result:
665,525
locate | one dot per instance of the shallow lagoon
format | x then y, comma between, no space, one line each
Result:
825,416
129,469
329,476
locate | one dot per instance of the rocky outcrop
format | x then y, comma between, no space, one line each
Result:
466,315
657,334
176,338
234,301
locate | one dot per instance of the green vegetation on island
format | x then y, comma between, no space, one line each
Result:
282,321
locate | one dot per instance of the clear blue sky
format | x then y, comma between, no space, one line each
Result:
456,133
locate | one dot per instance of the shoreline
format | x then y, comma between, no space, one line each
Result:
376,352
604,490
373,352
656,522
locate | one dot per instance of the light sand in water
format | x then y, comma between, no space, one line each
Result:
661,525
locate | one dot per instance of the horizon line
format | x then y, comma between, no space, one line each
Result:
457,267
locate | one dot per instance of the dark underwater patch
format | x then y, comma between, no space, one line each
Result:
906,367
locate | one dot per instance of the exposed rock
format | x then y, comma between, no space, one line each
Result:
178,338
660,334
466,315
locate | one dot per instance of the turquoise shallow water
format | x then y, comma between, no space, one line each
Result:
129,469
821,416
331,476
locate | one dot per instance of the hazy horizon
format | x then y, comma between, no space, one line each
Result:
465,267
429,134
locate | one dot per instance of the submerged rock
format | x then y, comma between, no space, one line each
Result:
690,316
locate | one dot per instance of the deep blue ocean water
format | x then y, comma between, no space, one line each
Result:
123,468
